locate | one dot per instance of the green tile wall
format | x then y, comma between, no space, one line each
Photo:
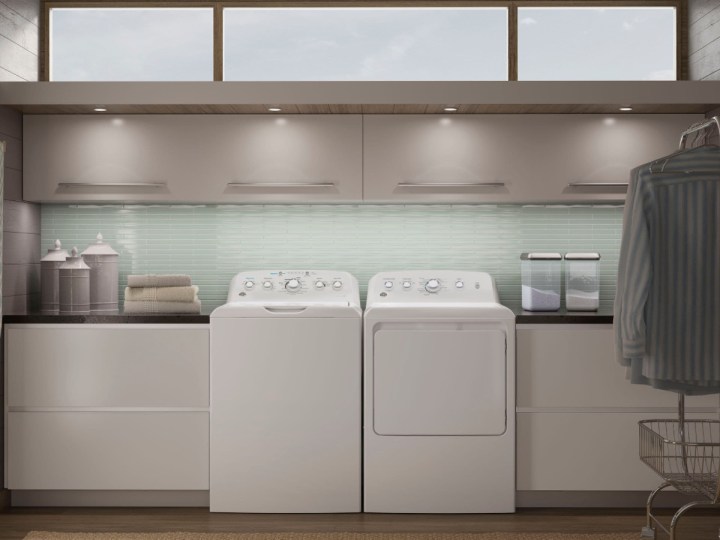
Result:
214,242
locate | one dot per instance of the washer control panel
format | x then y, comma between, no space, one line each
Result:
442,286
293,285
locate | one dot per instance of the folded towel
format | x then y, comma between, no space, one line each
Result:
161,294
149,307
159,280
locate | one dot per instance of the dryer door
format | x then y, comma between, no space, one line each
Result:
439,379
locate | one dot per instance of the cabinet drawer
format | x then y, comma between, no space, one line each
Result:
575,366
107,366
115,450
582,451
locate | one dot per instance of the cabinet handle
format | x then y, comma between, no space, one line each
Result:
146,185
450,185
282,185
597,184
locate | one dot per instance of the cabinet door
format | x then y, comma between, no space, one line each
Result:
108,450
102,158
192,158
511,158
265,158
582,452
560,366
123,365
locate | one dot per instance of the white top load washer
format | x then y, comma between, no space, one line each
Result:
285,432
439,372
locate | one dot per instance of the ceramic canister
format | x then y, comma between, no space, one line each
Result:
103,262
74,285
50,279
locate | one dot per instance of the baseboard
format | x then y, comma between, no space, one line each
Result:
110,498
598,499
524,499
4,500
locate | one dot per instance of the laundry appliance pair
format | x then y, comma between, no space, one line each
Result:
318,408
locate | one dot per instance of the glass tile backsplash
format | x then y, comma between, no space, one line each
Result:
214,242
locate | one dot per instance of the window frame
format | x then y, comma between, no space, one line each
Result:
512,6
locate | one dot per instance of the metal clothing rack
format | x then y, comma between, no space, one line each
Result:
684,452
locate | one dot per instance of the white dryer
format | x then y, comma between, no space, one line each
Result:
285,424
439,422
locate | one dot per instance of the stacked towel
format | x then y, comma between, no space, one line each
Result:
161,294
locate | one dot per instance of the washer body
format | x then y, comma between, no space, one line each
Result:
286,391
439,402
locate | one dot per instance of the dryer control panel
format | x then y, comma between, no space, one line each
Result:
316,286
441,286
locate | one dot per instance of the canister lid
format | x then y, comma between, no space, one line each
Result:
74,262
582,256
99,247
56,254
539,256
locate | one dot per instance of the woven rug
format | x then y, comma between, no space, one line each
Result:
41,535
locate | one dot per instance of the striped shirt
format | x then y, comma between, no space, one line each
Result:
667,305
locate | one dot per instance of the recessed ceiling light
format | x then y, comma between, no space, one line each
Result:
450,109
626,109
274,109
100,109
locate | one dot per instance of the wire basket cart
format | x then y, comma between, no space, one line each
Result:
686,454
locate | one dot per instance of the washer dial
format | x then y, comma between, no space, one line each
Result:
292,285
432,285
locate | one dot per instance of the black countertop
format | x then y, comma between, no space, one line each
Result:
119,318
604,316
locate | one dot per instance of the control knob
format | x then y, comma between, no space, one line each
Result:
267,285
337,285
459,284
319,285
406,284
249,284
292,285
388,284
432,285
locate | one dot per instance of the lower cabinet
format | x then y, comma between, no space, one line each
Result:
107,407
577,414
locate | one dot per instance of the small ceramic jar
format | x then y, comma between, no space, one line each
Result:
74,285
50,279
103,262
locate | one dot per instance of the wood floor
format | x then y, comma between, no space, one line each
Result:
15,523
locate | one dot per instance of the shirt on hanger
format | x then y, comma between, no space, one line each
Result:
667,305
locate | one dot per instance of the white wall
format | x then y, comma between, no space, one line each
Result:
21,225
704,39
19,40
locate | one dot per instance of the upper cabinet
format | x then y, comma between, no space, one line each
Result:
511,158
227,158
193,158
